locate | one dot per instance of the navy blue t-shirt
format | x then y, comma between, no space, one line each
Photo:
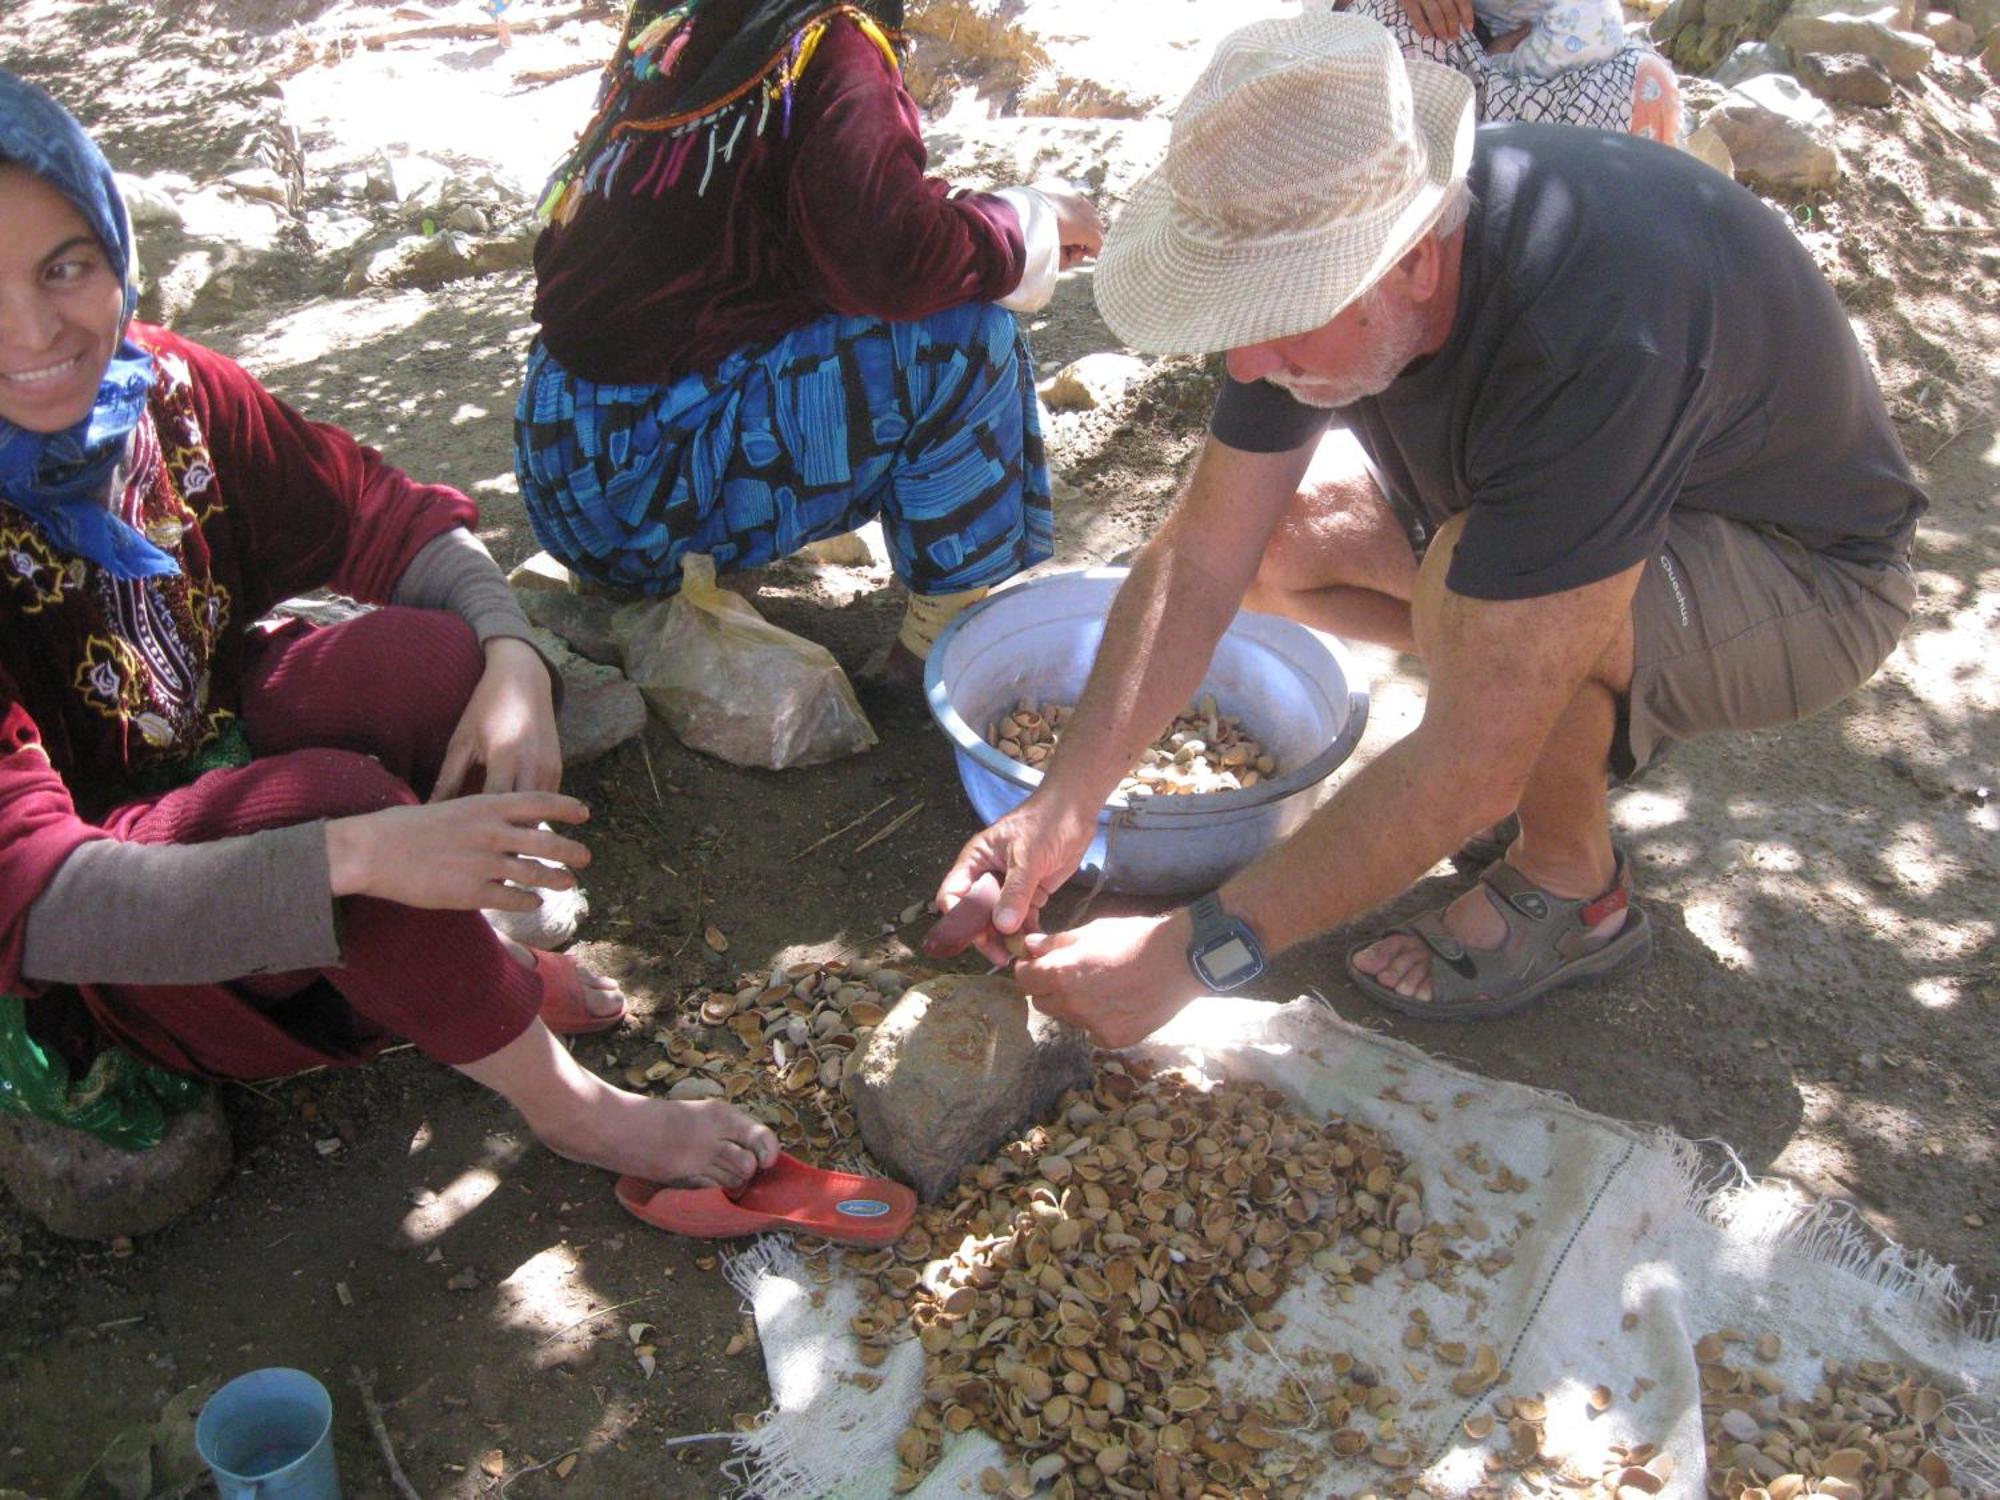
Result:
1634,332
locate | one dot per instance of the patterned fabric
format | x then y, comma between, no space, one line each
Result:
709,66
1599,95
144,644
930,424
60,479
1562,33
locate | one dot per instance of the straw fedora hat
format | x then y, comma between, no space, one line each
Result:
1306,160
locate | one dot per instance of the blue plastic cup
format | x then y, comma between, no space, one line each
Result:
268,1435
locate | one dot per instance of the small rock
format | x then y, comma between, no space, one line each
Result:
582,622
1706,145
80,1187
1094,381
1826,26
543,571
154,202
403,179
260,183
1741,1426
464,1280
1751,60
601,710
1777,133
1951,34
553,923
1845,78
862,548
1983,16
960,1064
696,1088
468,218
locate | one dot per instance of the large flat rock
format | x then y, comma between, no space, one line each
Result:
962,1064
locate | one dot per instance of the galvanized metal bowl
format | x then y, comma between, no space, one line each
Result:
1295,689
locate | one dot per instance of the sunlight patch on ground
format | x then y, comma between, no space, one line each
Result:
547,1294
307,336
1643,811
429,1220
1938,992
1713,921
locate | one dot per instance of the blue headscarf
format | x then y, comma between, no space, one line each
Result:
61,479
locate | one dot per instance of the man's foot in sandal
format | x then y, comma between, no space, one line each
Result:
1500,946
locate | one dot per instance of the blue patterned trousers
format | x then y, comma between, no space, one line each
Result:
929,424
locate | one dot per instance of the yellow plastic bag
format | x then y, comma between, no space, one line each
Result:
729,682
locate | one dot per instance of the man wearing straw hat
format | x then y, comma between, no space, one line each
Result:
1662,494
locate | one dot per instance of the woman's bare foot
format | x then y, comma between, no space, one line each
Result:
601,994
685,1143
1402,960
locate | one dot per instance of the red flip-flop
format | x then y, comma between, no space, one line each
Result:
787,1195
565,1010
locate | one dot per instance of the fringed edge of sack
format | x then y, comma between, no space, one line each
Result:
1781,1217
788,1460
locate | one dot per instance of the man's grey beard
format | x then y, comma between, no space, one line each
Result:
1400,341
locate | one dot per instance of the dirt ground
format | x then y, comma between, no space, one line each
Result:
1825,996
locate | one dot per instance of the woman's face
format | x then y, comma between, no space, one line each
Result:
62,306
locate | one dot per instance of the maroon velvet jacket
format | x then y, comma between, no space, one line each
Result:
835,215
256,504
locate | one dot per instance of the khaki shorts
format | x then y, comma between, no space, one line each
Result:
1737,626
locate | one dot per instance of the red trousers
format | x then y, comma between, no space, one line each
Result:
347,719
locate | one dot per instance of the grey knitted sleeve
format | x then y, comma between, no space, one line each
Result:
126,913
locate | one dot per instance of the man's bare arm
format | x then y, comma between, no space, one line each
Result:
1501,675
1184,589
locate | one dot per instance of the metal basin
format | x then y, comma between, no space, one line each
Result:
1295,689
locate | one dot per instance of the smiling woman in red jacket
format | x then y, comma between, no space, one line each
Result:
215,848
762,324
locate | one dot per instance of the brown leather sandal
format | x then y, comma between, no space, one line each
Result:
1548,944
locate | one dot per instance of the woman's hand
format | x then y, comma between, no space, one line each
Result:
508,729
1443,20
458,855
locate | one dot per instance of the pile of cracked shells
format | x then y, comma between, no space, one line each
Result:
1867,1430
1069,1297
1205,750
796,1029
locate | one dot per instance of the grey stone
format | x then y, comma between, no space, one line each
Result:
582,621
1777,133
1751,60
1810,27
79,1187
551,925
154,201
406,179
1951,34
543,571
1846,78
1983,16
427,261
1094,381
262,184
960,1065
468,218
600,711
1706,145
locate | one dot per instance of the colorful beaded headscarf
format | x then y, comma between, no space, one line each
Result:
690,80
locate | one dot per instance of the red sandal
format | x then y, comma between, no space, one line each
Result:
787,1195
565,1005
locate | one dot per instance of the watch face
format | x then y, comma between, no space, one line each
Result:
1229,961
